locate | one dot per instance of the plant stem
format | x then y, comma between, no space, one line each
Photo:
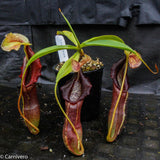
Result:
19,109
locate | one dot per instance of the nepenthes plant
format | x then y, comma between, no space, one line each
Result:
117,112
77,88
30,105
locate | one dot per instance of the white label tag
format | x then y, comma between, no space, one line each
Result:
63,54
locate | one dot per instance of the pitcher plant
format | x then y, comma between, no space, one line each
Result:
78,87
30,111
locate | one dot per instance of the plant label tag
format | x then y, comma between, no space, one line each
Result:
63,54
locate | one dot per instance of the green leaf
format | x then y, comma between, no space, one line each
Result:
44,52
107,41
105,37
47,51
69,25
67,67
69,35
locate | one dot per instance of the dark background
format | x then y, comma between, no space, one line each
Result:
136,22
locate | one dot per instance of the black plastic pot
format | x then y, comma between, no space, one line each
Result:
90,108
